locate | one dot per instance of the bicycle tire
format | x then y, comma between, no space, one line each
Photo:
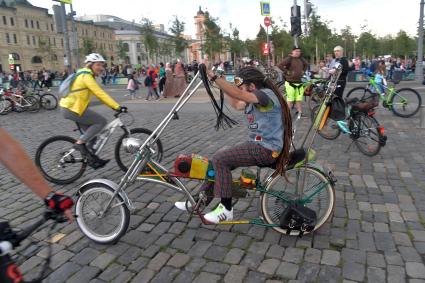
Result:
313,100
369,151
119,149
40,164
359,90
271,215
82,215
5,106
330,130
34,104
48,101
416,105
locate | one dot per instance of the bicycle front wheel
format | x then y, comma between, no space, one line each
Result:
5,106
318,193
406,102
366,133
33,104
49,101
124,159
330,130
103,227
58,162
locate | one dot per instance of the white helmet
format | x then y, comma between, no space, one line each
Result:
94,57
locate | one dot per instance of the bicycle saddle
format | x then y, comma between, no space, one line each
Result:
295,156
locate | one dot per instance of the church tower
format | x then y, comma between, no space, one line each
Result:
199,23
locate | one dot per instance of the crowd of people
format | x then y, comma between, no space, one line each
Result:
161,81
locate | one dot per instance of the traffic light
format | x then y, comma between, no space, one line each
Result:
296,21
296,26
266,48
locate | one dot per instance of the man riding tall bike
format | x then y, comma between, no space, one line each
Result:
75,104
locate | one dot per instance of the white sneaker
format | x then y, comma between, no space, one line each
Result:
182,205
220,213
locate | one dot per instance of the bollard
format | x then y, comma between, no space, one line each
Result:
422,121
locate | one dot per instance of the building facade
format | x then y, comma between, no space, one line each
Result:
128,34
29,40
197,49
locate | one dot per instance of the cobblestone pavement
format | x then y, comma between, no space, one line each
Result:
376,234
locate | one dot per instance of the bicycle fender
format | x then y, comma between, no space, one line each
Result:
324,170
110,184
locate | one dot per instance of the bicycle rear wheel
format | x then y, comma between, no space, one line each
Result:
316,185
359,92
124,159
58,162
48,101
101,227
406,102
330,130
366,133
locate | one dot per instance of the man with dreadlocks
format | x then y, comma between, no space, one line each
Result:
269,138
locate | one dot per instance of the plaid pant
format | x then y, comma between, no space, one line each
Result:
241,155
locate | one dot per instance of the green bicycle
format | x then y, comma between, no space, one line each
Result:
403,102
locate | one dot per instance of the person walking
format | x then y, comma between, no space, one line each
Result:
132,86
169,81
150,83
162,78
180,83
293,68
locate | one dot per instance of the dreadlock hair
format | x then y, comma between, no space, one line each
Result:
253,75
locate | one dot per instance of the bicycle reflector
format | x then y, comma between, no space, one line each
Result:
371,113
381,130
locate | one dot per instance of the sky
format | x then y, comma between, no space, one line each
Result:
382,17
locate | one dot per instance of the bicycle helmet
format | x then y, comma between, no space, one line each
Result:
94,57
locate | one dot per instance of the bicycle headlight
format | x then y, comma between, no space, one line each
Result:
132,145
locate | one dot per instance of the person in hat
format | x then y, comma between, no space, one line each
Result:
293,68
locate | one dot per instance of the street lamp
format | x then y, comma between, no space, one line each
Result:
419,71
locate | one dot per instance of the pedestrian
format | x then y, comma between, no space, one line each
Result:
346,68
169,81
293,68
162,78
180,83
34,80
132,86
323,70
151,85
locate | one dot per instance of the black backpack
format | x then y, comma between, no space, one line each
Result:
148,81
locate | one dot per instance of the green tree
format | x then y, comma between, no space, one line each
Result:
367,45
403,44
88,46
235,44
213,37
122,53
177,29
149,38
348,39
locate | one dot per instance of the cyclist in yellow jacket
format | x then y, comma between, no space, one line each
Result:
74,106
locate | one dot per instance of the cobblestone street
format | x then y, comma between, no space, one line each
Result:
377,232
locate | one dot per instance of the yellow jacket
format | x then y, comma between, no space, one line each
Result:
84,87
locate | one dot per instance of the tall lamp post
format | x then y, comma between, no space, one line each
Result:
419,71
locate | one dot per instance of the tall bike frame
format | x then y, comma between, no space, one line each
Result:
143,168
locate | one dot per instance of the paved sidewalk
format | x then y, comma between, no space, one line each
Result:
377,233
